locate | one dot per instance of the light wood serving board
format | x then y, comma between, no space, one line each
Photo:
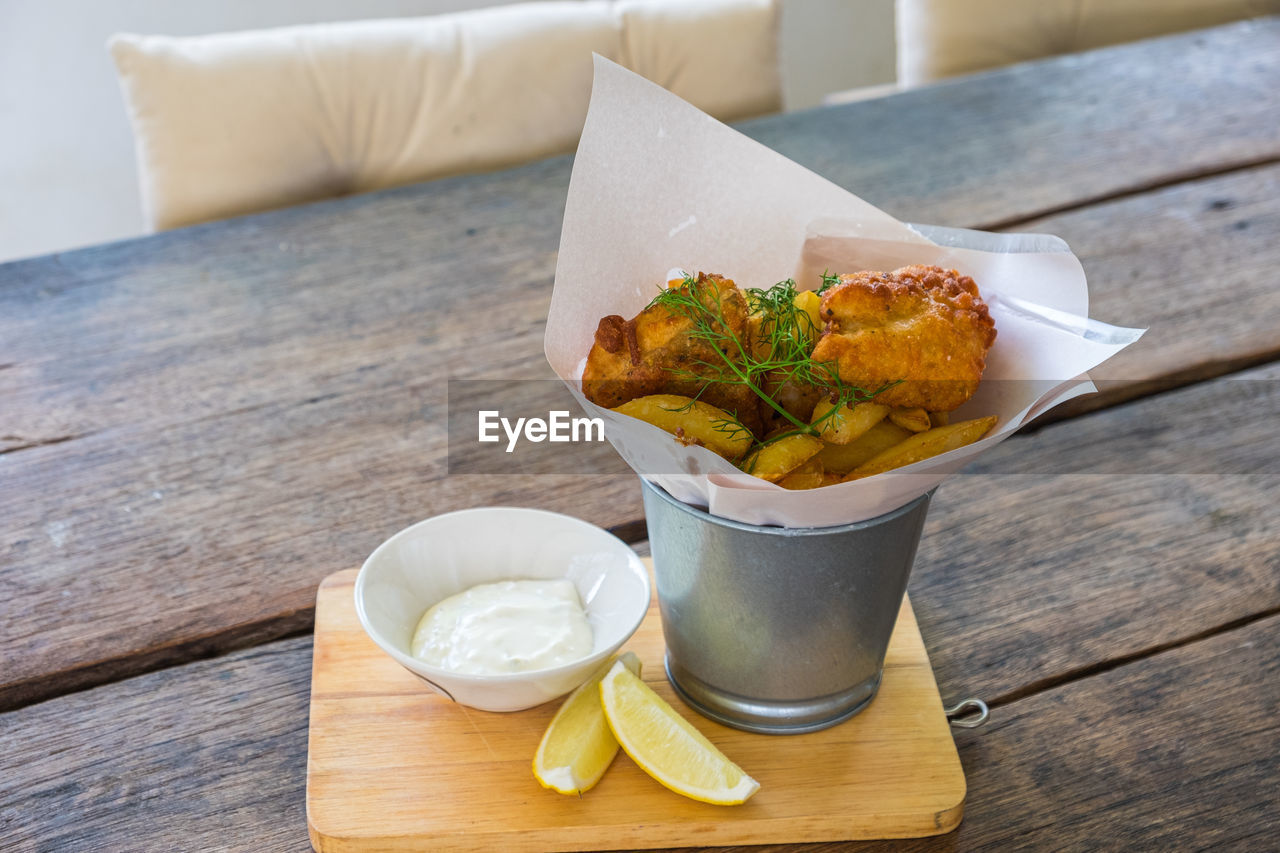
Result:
394,766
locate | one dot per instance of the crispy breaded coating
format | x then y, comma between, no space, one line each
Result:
655,353
923,327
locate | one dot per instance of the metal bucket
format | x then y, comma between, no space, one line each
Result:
778,630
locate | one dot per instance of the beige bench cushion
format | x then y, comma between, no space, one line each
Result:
719,55
237,122
942,38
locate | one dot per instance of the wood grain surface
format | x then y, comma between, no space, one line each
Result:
1194,263
394,766
1102,538
251,407
202,424
196,427
208,756
1174,751
996,149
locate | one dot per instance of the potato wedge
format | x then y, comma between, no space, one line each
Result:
811,303
923,445
843,458
916,420
939,418
847,423
806,302
692,422
779,458
807,476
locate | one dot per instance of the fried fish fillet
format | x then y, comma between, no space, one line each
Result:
660,352
922,327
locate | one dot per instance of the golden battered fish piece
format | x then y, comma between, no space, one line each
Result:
655,353
923,327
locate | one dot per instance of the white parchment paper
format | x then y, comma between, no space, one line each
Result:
658,184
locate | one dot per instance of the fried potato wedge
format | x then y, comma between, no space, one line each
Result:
924,445
759,324
811,304
846,423
753,374
692,422
808,476
840,459
779,458
914,419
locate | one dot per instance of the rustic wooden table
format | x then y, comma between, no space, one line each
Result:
197,427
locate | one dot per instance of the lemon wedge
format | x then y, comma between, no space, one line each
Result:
578,745
666,745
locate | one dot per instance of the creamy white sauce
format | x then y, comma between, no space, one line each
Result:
505,627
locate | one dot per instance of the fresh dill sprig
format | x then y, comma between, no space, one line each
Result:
829,280
731,427
776,352
786,332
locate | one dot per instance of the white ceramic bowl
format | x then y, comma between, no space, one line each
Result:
434,559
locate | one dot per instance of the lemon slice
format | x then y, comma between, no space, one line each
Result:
666,745
578,745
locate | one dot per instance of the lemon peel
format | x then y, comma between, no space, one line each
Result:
578,745
666,745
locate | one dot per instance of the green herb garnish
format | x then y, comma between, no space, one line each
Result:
829,280
778,353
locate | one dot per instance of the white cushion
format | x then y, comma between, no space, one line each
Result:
941,38
237,122
719,55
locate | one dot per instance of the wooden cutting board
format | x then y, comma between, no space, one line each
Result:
394,766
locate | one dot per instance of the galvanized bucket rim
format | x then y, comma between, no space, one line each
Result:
773,530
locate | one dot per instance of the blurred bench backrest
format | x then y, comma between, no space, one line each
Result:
942,38
232,123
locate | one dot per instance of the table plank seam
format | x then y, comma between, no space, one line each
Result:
1165,181
296,623
37,689
32,691
25,443
1139,390
1100,667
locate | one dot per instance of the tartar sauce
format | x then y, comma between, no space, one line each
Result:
505,627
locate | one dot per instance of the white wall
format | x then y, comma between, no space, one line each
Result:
834,45
67,174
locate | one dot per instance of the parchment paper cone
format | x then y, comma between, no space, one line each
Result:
658,184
